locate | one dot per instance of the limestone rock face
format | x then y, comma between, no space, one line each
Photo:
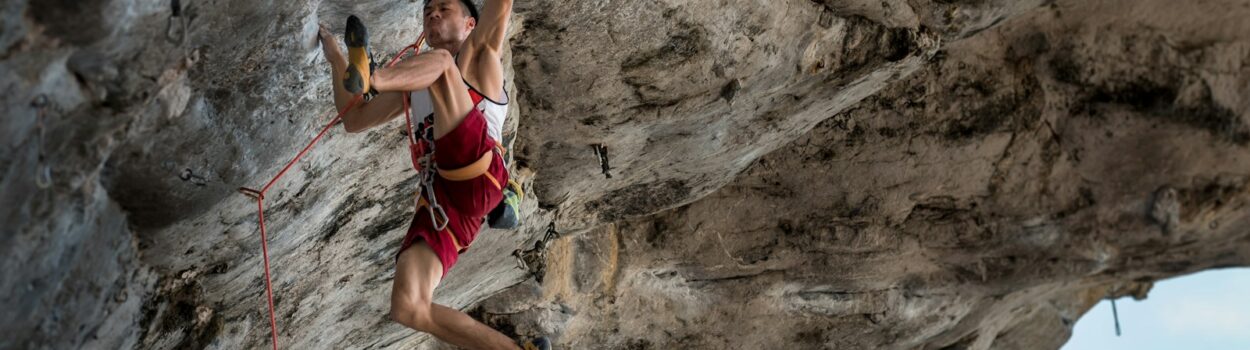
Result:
700,174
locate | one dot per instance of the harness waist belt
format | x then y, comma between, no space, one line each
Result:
470,171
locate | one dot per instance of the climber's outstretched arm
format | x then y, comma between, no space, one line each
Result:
492,28
434,70
414,73
481,55
381,109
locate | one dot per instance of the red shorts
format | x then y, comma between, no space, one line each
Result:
466,202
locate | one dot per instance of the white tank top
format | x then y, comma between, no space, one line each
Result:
495,112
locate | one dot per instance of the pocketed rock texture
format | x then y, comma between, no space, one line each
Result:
700,174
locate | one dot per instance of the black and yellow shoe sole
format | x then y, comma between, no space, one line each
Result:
540,343
359,68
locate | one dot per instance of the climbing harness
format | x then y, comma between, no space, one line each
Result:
421,150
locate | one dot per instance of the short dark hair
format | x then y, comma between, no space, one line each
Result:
468,5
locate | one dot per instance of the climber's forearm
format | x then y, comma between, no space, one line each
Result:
338,66
381,109
338,69
414,73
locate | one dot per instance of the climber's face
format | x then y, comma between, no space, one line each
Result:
447,23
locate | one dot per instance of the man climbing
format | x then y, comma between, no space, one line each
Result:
463,74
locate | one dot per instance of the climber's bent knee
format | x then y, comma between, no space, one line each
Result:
412,314
417,272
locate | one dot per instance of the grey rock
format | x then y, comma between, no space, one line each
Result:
783,174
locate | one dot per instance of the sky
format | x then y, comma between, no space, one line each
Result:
1209,310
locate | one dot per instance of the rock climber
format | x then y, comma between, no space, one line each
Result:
463,74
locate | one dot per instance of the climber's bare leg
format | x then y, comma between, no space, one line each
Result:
437,71
417,272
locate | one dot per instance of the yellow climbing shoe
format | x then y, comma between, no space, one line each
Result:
540,343
359,65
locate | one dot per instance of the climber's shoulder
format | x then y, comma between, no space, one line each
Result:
481,55
492,28
483,48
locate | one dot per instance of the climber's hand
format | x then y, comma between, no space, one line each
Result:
330,47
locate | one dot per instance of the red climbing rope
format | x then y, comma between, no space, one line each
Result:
260,195
260,203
